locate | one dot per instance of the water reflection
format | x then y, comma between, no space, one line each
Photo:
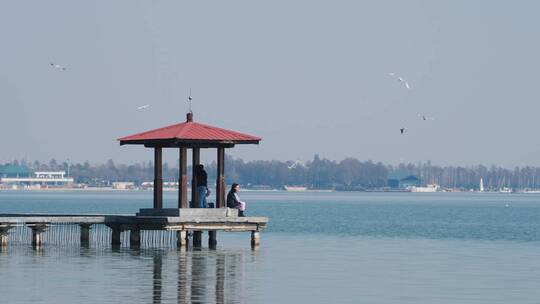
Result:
220,278
182,288
113,275
157,277
203,276
198,277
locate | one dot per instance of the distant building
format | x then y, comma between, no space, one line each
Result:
22,175
427,188
15,171
402,180
123,185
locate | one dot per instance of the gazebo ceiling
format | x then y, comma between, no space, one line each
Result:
189,134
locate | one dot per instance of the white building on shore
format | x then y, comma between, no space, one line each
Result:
45,178
123,185
427,188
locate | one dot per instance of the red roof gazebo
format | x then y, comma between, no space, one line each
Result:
188,135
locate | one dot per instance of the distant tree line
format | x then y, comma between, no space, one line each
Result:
319,173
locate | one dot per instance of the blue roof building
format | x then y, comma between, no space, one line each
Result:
15,171
402,179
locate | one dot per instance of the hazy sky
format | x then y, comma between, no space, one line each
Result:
307,76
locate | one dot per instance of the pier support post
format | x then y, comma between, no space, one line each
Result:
135,238
255,239
181,238
3,239
4,235
37,234
197,238
85,234
115,237
212,239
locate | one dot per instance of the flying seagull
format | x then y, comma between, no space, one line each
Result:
404,82
402,130
424,117
294,165
143,107
400,79
57,66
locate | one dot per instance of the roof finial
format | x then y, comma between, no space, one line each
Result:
189,115
189,100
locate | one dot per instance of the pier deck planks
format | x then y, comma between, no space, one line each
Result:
126,222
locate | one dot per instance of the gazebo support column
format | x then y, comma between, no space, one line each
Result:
220,181
220,192
182,180
196,159
158,179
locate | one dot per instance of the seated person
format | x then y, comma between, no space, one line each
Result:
233,200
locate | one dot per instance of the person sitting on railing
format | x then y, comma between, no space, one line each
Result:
233,200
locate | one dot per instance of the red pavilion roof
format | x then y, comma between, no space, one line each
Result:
189,132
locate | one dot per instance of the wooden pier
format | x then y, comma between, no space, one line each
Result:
188,226
187,221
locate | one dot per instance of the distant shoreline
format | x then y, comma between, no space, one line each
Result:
150,190
108,189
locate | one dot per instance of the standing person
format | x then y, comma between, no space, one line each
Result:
202,185
233,200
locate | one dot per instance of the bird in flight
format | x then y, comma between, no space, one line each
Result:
58,67
143,107
294,165
424,117
400,79
402,130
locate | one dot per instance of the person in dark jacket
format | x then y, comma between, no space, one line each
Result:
233,200
202,185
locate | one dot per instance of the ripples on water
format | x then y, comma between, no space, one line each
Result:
319,248
314,269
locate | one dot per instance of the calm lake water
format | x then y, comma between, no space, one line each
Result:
318,248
